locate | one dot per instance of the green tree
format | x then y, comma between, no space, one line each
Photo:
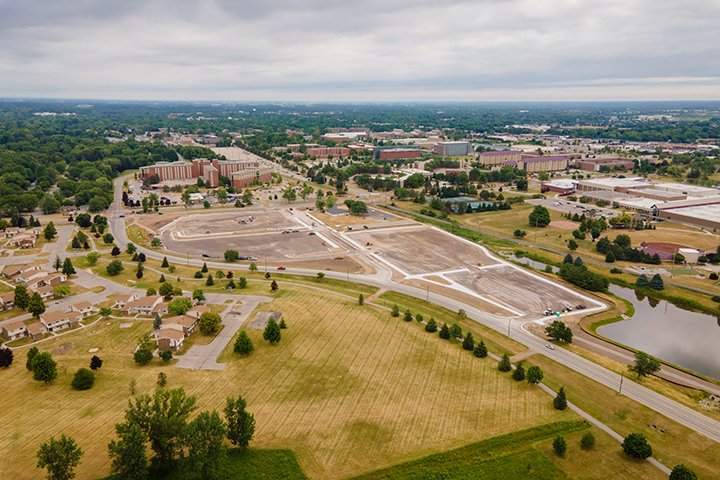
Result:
95,362
231,256
289,194
36,305
243,344
59,457
44,368
30,355
206,452
431,326
642,282
209,323
240,422
162,417
444,332
108,238
361,299
142,355
166,290
92,258
519,233
681,472
539,217
179,306
198,295
242,282
209,282
272,332
408,316
395,311
587,442
504,364
253,267
637,446
519,373
480,350
568,259
560,446
557,330
222,196
114,268
22,298
57,265
320,276
49,232
128,454
83,379
610,257
560,400
455,331
656,282
572,245
165,263
644,365
68,268
534,375
468,342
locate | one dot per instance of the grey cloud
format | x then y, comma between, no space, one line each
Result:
405,49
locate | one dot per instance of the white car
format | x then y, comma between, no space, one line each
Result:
550,346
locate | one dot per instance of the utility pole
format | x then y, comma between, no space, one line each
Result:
508,327
622,377
427,294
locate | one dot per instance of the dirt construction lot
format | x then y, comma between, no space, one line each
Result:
516,289
422,250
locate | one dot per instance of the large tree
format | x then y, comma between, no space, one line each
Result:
162,417
539,217
209,323
644,365
240,422
127,453
206,452
22,297
59,457
637,446
179,306
272,332
243,344
557,330
36,305
43,367
67,267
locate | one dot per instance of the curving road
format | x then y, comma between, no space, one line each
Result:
382,279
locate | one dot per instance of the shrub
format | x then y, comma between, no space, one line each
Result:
83,379
587,441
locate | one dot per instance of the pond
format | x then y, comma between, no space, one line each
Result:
688,339
682,337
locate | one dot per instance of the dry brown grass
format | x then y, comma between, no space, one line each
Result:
349,389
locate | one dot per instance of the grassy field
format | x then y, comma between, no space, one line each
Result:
349,389
677,444
525,454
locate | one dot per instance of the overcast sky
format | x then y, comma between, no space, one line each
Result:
369,50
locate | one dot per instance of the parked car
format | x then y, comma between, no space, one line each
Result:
281,268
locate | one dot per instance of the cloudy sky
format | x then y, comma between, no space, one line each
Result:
370,50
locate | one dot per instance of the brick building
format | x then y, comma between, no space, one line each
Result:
499,157
548,163
396,153
209,170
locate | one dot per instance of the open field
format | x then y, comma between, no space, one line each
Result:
677,444
420,250
526,454
344,402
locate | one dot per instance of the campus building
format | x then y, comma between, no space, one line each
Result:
209,170
452,149
325,152
499,157
396,153
604,164
547,163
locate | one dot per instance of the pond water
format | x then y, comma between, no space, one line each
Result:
682,337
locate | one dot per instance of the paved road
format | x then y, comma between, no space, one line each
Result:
663,405
204,357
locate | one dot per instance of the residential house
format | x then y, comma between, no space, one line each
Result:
143,305
45,292
160,309
123,300
11,232
169,339
13,330
84,308
186,323
23,241
35,330
58,320
14,271
7,300
197,310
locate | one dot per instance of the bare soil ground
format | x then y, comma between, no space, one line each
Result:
421,250
517,289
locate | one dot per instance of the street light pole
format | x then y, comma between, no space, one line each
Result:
622,377
508,327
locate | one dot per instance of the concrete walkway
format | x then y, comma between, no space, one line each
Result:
204,357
